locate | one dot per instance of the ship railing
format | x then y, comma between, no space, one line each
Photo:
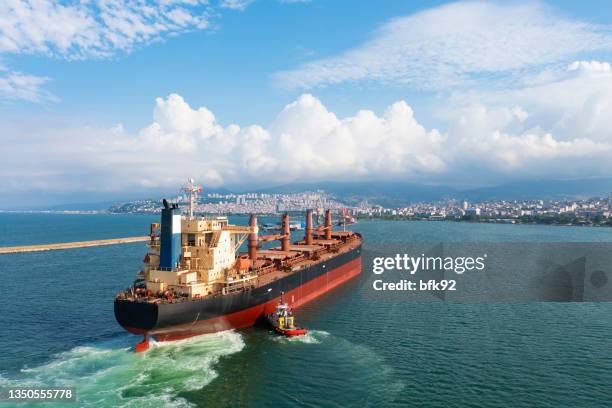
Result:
160,299
266,269
237,287
164,269
238,228
296,260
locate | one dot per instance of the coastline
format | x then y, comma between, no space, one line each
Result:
510,221
526,220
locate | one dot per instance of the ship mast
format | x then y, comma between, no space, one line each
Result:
319,209
193,190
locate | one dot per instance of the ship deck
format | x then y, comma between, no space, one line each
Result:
300,256
273,263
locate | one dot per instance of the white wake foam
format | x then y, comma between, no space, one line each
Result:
112,374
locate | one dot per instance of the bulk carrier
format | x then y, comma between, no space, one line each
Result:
195,280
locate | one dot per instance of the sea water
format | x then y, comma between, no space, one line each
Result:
58,329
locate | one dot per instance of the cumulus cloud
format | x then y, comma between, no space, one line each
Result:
572,102
305,142
457,44
490,145
558,129
308,141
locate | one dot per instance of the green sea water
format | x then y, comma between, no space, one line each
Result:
58,329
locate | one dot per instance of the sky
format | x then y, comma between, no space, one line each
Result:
119,98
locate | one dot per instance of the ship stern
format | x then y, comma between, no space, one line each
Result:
136,317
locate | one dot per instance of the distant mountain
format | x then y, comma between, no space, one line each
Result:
400,193
544,189
385,193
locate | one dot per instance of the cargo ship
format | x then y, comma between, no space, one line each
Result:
195,280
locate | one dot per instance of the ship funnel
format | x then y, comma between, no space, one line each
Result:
309,227
253,240
170,245
286,233
328,226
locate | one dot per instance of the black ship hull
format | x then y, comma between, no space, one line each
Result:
172,321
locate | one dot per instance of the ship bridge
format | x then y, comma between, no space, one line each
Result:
194,256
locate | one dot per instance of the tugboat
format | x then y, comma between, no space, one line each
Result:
283,321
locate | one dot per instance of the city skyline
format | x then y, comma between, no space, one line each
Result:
447,209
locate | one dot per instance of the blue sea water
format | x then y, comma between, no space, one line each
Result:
58,329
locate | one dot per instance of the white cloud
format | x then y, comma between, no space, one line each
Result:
589,66
99,28
76,30
575,102
304,142
500,144
18,86
558,129
458,44
235,4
